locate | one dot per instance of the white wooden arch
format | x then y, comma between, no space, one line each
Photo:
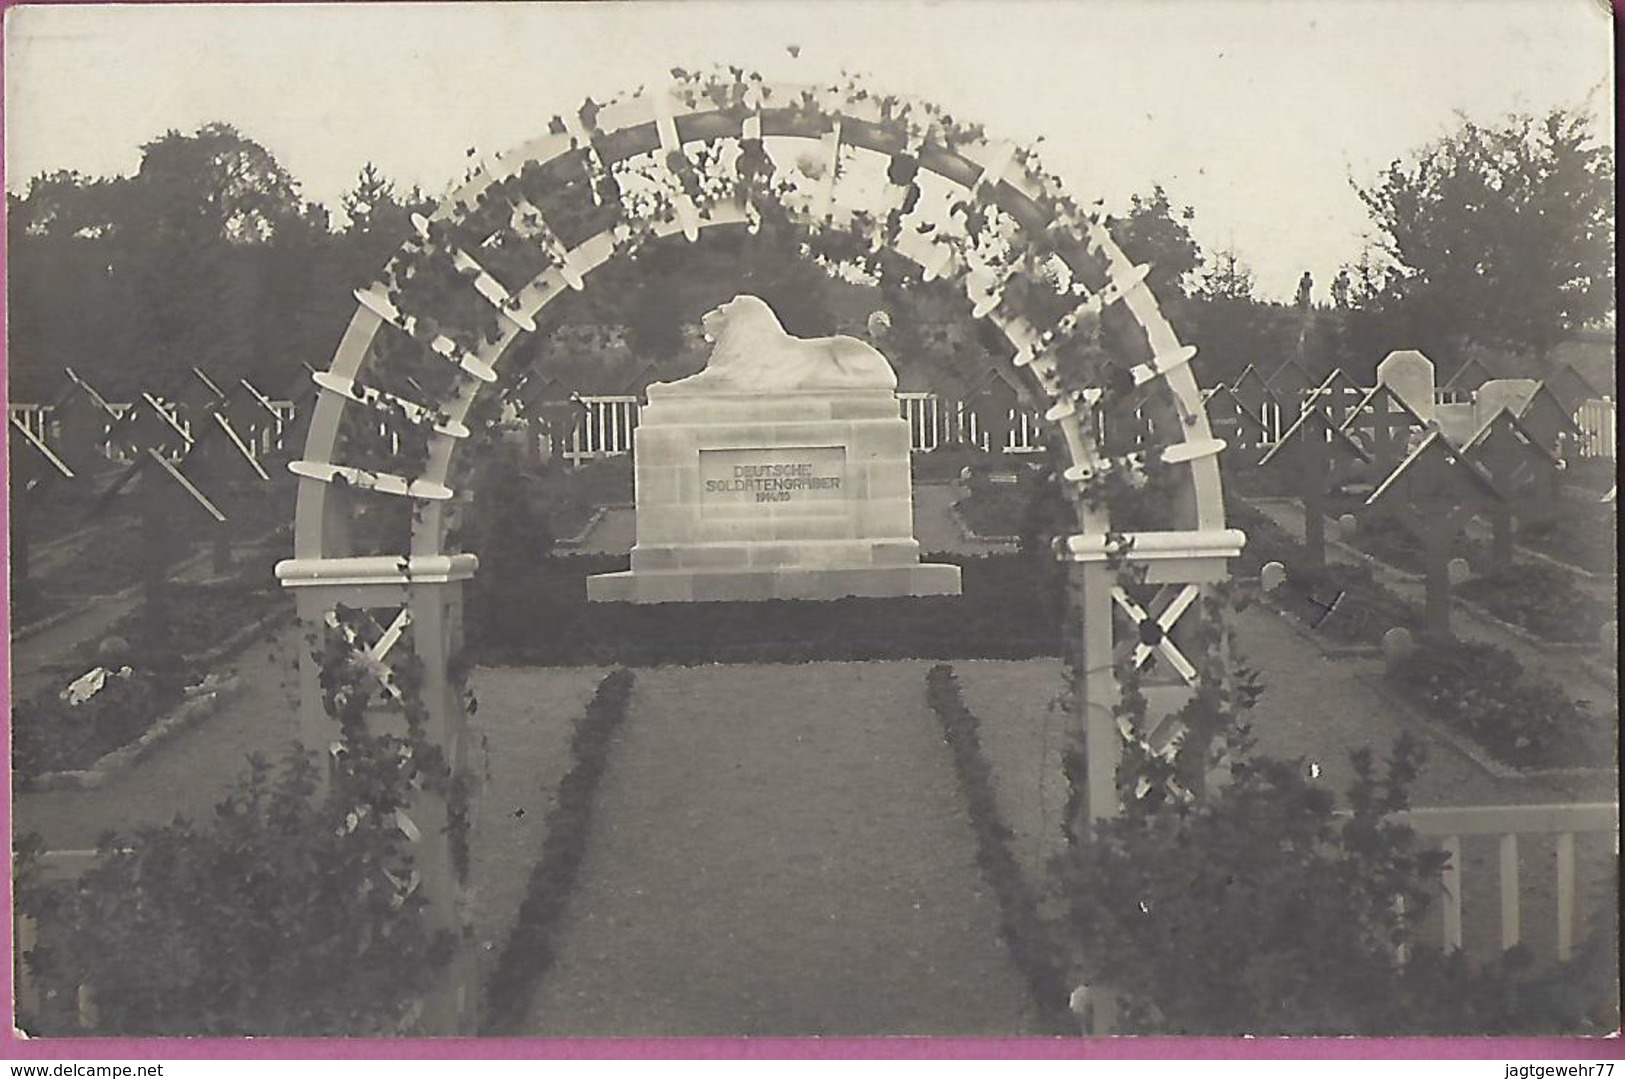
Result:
424,588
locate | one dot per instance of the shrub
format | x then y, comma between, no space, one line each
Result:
1263,910
1482,691
284,915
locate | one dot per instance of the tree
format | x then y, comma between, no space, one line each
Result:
200,214
1228,278
380,220
1154,231
1499,234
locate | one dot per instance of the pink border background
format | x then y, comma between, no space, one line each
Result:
12,1047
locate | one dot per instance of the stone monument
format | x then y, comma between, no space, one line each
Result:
781,471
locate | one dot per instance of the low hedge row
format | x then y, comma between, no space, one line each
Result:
531,948
1032,947
538,615
1482,691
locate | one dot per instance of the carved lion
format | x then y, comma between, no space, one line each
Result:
752,353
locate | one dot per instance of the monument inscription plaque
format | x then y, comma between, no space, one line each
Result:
781,471
808,476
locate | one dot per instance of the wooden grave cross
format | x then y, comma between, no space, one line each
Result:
1254,394
1522,469
1289,382
149,424
1571,388
993,402
1547,420
1383,424
1320,456
1339,392
1233,421
34,466
1435,492
1469,376
80,419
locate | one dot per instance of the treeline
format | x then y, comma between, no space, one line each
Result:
1494,237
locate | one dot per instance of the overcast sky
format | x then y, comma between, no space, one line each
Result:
1254,112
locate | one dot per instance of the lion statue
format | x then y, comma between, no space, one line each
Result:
752,353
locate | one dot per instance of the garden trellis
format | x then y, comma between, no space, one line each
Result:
729,150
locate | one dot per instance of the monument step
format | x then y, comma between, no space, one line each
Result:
790,582
807,553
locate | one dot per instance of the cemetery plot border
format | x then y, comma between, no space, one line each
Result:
1523,721
1031,942
129,714
531,946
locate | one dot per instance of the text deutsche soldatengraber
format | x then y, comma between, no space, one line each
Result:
788,477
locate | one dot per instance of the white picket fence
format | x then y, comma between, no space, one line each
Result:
263,440
1598,437
605,424
1449,827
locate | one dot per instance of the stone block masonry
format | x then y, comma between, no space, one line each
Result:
799,494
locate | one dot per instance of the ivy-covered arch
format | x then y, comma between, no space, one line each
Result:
850,175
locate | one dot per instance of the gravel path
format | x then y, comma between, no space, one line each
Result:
781,850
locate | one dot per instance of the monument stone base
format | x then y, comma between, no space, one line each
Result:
785,495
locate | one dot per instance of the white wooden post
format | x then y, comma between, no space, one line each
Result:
1452,893
1565,895
1509,890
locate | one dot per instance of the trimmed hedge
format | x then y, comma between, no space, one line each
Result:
1031,945
531,947
1482,691
541,617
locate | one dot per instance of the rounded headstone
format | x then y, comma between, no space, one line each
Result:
1608,636
1398,643
1347,524
112,647
1458,571
879,323
1271,576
